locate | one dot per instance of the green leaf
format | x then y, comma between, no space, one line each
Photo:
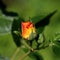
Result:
35,56
4,58
41,24
56,46
16,26
5,25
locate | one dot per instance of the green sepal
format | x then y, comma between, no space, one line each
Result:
34,44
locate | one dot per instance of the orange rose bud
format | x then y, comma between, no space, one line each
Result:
27,29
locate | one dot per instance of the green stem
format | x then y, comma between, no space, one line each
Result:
15,53
24,42
25,55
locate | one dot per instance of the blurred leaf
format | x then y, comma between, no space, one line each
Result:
45,21
40,25
5,25
56,47
56,50
7,46
36,18
35,56
4,58
16,26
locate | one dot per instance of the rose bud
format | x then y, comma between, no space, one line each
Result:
28,30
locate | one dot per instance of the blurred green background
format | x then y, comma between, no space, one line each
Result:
26,9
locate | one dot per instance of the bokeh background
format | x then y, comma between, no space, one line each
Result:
26,9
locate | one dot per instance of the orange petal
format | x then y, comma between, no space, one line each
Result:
27,28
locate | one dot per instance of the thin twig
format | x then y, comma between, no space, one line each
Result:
29,47
25,55
15,53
